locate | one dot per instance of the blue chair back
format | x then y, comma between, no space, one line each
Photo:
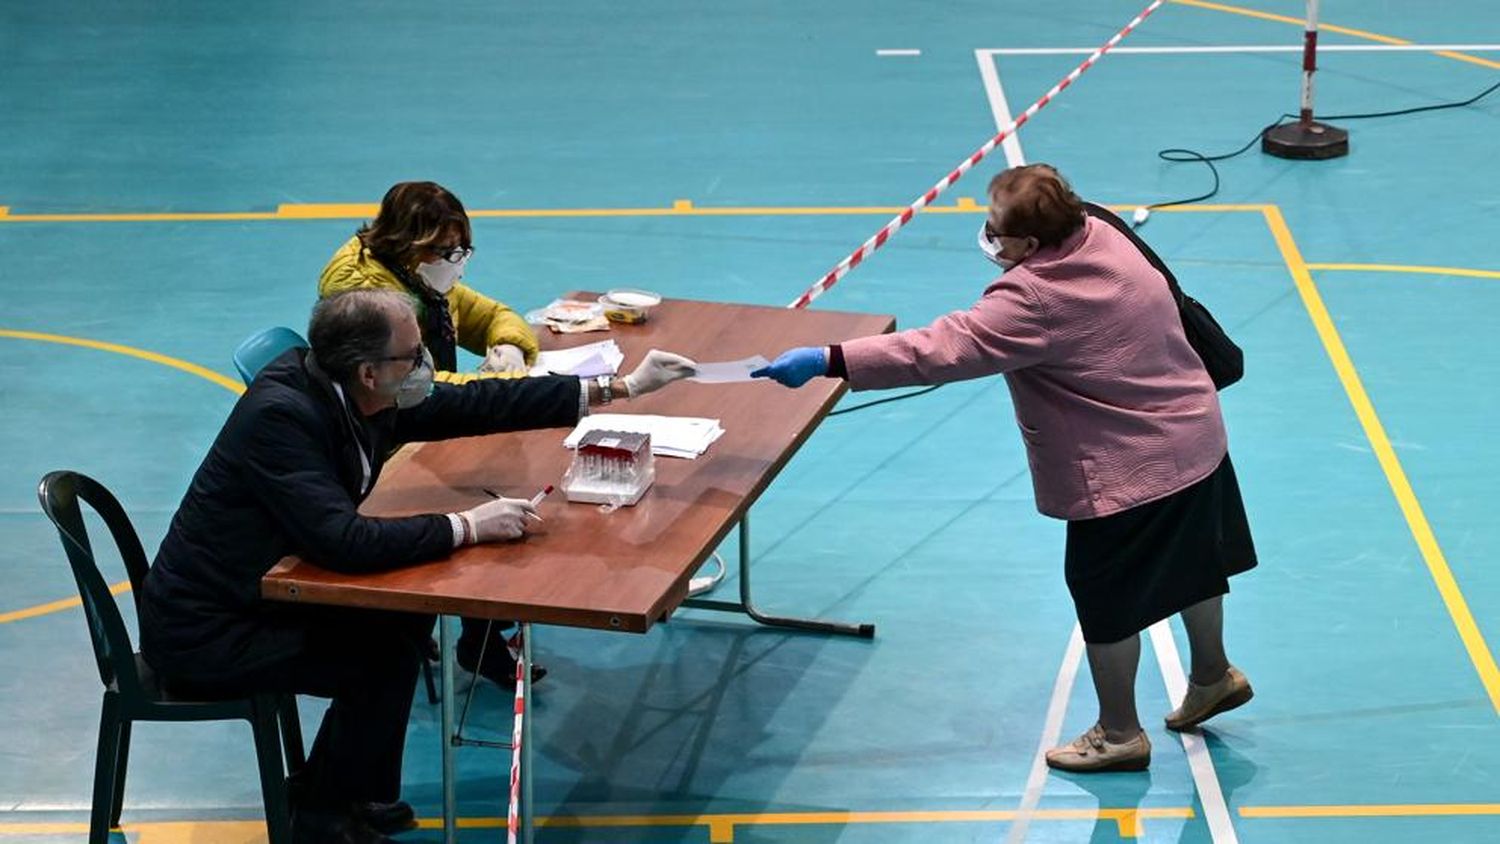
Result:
262,347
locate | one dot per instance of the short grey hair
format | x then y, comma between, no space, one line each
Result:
354,327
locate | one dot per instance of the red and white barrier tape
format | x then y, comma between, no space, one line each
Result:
925,199
513,814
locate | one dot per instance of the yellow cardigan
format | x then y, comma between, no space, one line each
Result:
479,322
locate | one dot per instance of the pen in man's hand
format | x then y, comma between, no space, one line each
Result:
536,500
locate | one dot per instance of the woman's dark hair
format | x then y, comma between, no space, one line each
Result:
354,327
1037,202
413,216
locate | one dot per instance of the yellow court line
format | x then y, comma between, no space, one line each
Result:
1416,520
1407,268
1328,27
193,368
56,606
176,363
328,211
721,826
148,217
1393,810
679,208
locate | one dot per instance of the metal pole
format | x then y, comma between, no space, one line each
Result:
1309,62
1307,138
528,812
450,785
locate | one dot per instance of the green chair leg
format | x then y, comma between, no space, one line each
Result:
105,767
291,734
122,758
264,723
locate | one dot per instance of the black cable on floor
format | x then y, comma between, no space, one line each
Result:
911,395
1179,155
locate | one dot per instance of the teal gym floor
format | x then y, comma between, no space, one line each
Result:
173,176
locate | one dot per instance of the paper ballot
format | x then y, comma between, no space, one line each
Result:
586,361
729,371
671,436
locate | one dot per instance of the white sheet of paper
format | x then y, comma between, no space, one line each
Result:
671,436
728,371
601,358
592,366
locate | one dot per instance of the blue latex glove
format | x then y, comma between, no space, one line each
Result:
796,367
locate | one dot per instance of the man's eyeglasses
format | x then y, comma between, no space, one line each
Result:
452,254
415,358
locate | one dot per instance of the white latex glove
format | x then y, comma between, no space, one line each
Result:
504,358
502,518
658,370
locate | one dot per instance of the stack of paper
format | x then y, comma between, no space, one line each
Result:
587,361
671,436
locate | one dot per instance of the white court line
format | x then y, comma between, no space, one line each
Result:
1062,689
995,93
1067,673
1215,810
899,52
1247,48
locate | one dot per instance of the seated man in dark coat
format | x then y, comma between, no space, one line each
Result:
300,450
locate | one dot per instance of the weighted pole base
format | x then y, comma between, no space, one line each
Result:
1311,140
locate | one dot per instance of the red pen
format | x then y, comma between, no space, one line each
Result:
535,499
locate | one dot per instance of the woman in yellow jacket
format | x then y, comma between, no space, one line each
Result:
419,244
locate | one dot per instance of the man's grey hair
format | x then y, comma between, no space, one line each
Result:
354,327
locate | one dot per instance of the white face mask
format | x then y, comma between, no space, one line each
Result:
441,275
992,248
416,385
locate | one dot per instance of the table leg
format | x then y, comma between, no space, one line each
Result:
450,784
746,606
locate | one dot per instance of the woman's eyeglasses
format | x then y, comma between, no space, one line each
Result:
452,254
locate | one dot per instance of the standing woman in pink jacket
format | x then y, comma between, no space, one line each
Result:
1123,435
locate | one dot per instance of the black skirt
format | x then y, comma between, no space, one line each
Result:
1131,569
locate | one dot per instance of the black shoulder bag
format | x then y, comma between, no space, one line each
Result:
1223,359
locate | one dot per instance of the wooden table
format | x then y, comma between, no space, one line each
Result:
583,567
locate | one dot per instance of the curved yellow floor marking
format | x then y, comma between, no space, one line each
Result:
224,381
1416,269
1328,27
192,368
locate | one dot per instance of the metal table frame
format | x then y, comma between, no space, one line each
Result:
452,739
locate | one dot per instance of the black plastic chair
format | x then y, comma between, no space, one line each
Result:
131,690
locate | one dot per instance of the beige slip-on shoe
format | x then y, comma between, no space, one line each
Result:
1204,702
1091,753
